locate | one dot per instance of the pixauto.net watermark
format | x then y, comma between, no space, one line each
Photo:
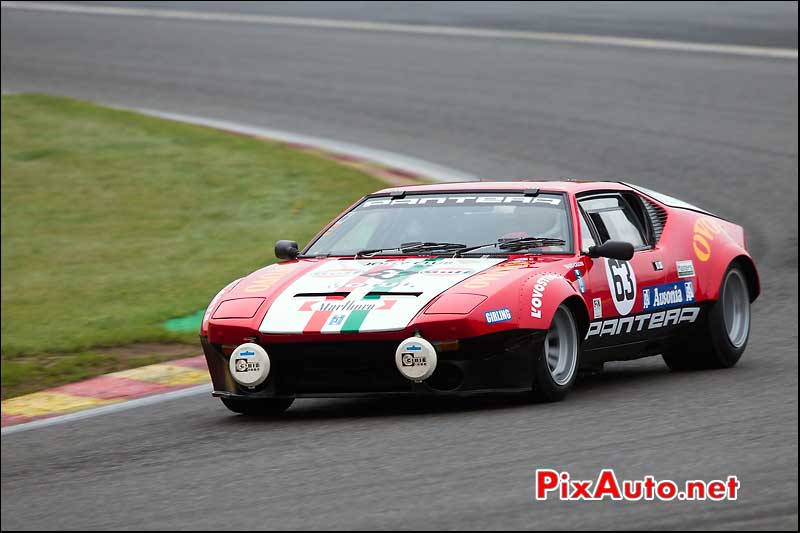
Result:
560,485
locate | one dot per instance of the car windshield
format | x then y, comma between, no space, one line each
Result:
382,223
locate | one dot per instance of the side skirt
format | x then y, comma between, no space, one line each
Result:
641,335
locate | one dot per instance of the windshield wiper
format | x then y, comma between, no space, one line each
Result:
516,245
508,245
412,247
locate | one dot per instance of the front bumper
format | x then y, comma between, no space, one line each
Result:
490,363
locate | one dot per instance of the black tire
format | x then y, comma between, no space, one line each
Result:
711,347
549,385
259,407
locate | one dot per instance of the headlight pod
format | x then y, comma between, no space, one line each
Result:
238,308
215,301
455,304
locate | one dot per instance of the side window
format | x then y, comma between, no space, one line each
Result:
614,219
587,240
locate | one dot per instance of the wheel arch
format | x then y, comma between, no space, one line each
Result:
555,291
577,307
751,275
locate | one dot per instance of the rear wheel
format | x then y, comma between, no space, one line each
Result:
259,407
723,340
555,363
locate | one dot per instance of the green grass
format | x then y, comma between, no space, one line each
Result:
113,222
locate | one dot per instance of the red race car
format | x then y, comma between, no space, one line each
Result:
482,287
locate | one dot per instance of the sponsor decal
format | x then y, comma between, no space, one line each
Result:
243,365
446,272
336,273
498,315
411,359
574,265
465,200
485,279
579,279
705,231
597,304
658,265
622,283
667,295
385,273
337,320
685,268
538,292
643,322
347,305
269,277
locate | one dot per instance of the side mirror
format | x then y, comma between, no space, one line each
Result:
286,250
613,250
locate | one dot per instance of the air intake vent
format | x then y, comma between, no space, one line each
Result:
658,216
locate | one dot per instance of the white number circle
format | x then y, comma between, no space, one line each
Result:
622,283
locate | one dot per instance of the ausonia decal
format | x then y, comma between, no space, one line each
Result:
667,295
538,292
643,322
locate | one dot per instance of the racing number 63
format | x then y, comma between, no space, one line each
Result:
621,274
622,283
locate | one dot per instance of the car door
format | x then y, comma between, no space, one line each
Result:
617,290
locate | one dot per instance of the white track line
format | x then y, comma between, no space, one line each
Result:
452,31
107,409
388,159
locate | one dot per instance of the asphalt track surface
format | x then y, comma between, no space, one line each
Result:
717,130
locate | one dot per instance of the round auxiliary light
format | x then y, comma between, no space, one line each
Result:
415,359
249,364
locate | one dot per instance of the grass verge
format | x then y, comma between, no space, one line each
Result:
113,222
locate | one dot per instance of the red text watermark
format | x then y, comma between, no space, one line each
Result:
559,485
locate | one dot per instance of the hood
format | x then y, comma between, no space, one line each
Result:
364,295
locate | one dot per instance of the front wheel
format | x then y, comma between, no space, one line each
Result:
259,407
723,340
555,363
